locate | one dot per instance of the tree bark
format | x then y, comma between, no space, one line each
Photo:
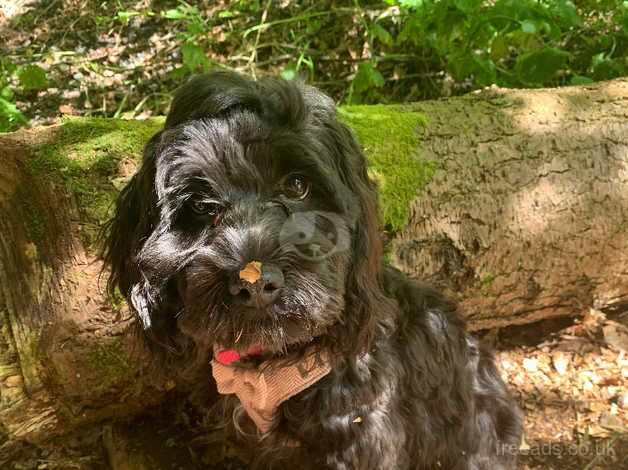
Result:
525,217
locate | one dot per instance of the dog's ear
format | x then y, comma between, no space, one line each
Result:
123,236
369,310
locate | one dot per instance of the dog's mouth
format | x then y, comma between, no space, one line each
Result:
255,355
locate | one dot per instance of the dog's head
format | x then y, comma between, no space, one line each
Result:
251,222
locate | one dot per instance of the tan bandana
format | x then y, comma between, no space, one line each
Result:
263,389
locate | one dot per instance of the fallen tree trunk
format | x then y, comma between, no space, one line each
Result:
513,200
526,217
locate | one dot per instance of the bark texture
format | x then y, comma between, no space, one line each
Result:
527,214
521,212
67,356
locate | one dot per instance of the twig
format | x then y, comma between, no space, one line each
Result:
251,62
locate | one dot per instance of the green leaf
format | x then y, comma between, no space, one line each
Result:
528,27
580,80
32,77
174,15
125,16
194,57
6,93
225,14
411,4
10,116
605,68
499,48
539,66
412,30
467,5
367,77
382,34
566,11
289,73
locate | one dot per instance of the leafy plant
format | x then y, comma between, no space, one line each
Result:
195,38
30,77
514,42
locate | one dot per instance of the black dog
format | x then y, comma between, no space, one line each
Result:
252,225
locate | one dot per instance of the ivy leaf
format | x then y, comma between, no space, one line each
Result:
567,12
382,34
539,66
32,77
367,77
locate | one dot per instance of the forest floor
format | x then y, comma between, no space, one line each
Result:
570,379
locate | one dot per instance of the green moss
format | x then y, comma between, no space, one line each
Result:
109,361
86,159
389,137
487,281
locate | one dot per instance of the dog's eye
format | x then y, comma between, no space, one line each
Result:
207,208
297,187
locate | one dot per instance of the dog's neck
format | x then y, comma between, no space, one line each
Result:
262,389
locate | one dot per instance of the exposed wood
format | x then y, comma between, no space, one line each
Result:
527,215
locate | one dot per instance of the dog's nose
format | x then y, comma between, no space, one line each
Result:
259,289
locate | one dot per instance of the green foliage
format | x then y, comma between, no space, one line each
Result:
195,39
525,43
360,52
10,116
29,78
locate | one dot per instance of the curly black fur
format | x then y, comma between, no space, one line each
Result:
427,395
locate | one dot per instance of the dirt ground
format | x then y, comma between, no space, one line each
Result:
570,380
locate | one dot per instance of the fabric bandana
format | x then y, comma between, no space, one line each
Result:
261,390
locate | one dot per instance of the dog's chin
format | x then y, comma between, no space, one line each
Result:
274,330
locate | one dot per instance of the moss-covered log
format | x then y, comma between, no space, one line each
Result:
526,216
517,201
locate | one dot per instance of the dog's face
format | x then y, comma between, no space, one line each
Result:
251,222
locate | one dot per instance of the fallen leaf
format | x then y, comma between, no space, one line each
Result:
616,336
251,272
561,362
66,109
610,421
530,364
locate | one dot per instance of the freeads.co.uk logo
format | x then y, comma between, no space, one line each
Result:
314,235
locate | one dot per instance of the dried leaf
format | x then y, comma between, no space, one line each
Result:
561,362
251,272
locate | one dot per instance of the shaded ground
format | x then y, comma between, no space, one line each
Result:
571,385
570,380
